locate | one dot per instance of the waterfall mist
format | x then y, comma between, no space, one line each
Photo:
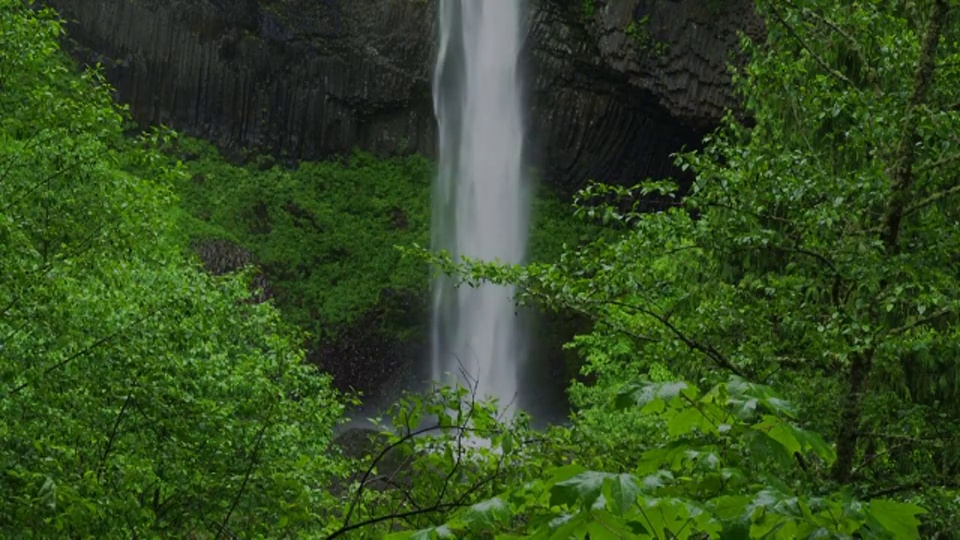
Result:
480,200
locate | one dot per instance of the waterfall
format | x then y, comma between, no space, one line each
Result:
480,198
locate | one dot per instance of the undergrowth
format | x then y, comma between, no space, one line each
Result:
325,232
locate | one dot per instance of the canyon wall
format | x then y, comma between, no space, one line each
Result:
616,85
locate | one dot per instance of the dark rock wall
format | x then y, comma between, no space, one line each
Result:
311,78
307,78
620,88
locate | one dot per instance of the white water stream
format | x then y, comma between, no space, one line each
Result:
480,199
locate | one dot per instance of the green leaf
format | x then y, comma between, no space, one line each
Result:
559,474
730,507
620,492
568,526
652,397
795,440
688,420
432,533
656,480
607,526
581,490
488,513
775,502
746,396
899,519
507,443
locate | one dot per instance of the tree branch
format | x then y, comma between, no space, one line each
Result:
86,350
441,507
857,47
466,422
913,486
113,434
930,165
8,307
793,33
931,199
902,175
249,472
402,440
921,321
708,350
37,185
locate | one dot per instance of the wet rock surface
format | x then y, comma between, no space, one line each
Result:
620,87
615,89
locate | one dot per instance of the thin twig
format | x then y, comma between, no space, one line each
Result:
921,321
709,350
823,64
927,201
114,432
249,472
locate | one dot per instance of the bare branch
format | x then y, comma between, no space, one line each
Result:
708,350
37,185
920,322
466,423
249,472
913,486
364,480
931,199
441,507
114,432
86,350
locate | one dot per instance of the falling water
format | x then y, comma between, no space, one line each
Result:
480,198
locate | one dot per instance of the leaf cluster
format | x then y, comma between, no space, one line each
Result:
139,396
815,254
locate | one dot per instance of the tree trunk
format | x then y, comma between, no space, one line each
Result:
902,179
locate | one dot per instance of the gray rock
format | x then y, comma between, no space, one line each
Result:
617,92
220,257
612,93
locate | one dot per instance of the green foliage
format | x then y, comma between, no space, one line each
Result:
772,357
554,230
139,396
723,470
324,231
816,254
639,31
437,453
588,9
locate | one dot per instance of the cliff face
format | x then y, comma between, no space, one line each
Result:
307,78
619,85
616,85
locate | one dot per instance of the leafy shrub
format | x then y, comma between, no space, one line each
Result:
139,396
